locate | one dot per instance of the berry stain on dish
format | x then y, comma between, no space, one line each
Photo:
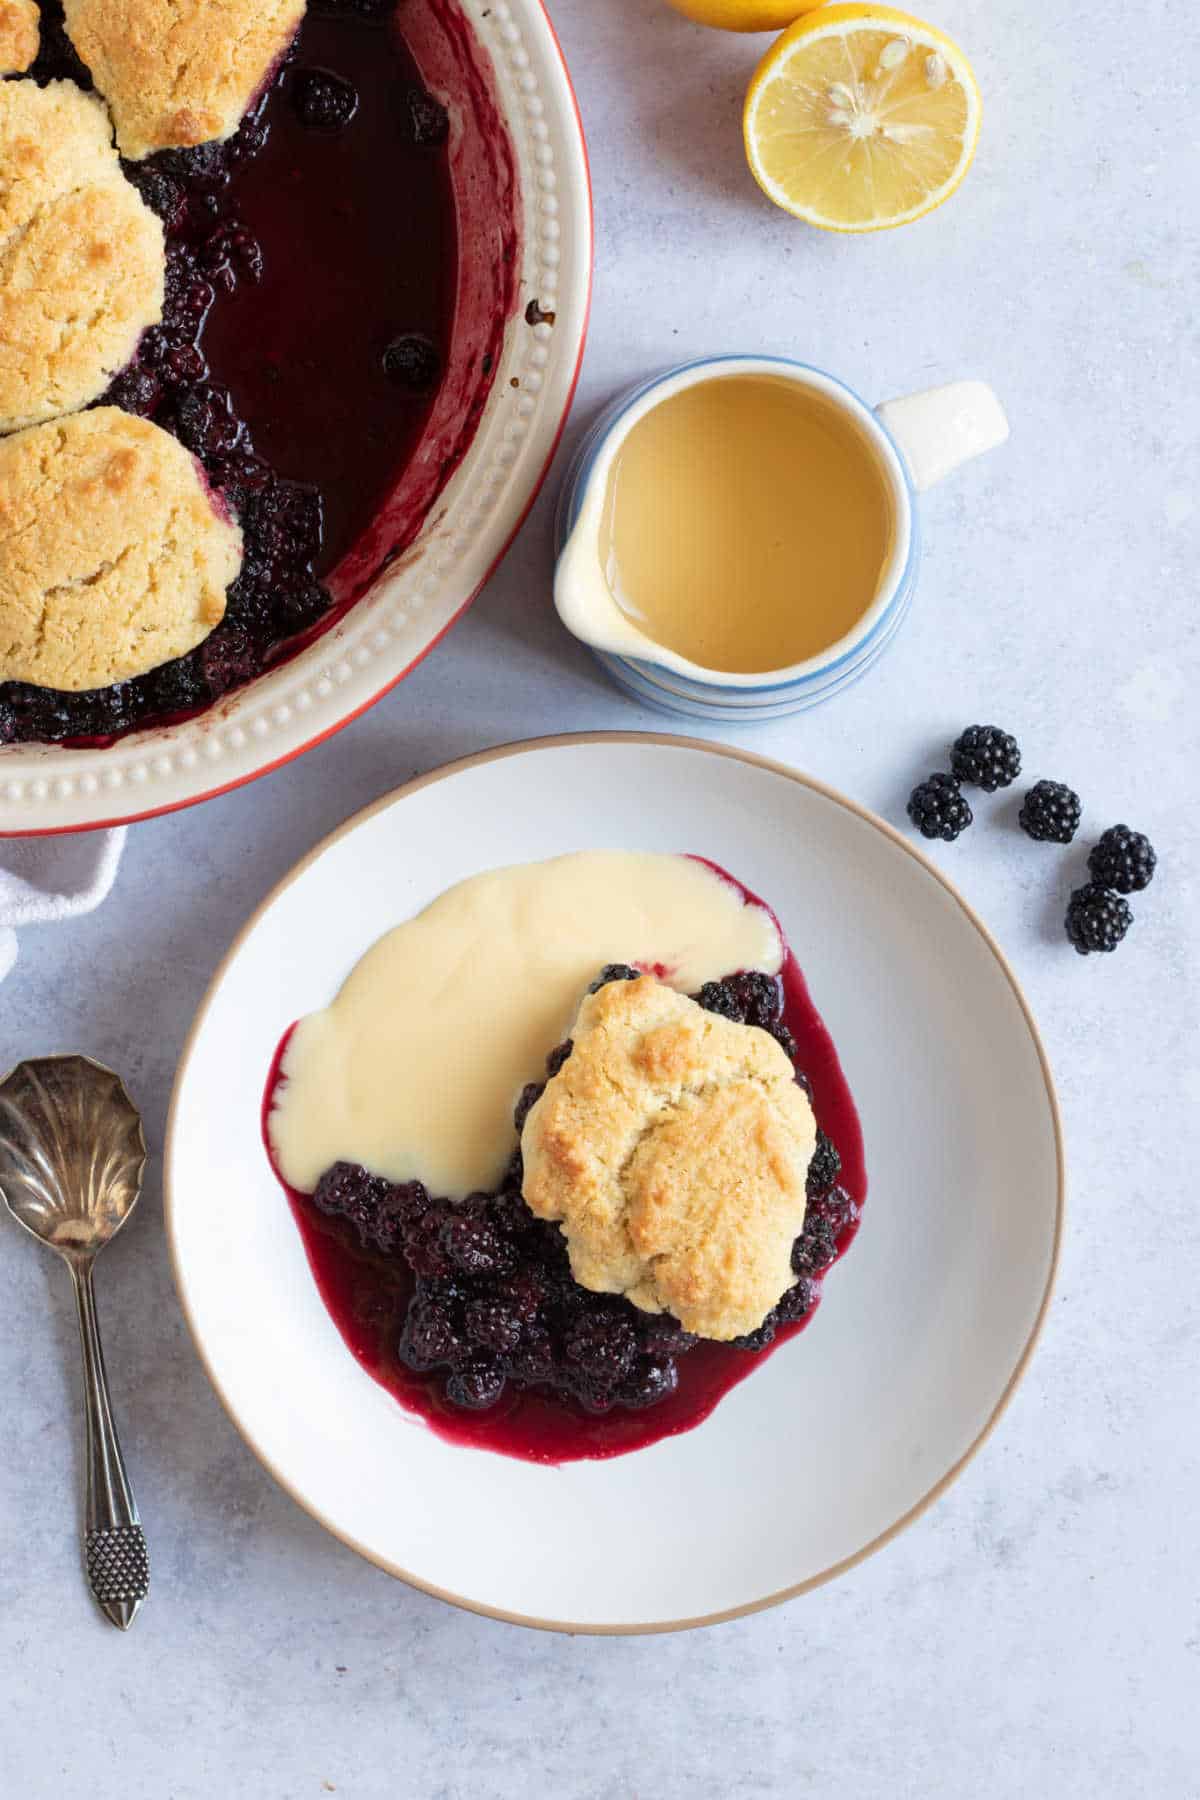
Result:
302,345
466,1310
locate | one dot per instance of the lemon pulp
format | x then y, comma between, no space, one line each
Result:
861,117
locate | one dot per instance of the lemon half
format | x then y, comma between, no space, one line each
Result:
744,15
861,118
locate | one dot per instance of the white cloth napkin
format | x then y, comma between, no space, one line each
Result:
50,878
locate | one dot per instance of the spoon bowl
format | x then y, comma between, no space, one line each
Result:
72,1152
72,1156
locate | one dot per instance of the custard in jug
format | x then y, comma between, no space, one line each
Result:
747,524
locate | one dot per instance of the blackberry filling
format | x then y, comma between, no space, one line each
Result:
492,1304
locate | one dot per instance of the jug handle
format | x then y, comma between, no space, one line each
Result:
941,428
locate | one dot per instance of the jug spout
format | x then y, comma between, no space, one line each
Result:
584,598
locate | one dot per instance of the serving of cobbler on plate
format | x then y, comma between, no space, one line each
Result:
579,1259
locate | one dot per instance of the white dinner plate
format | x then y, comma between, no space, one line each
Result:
852,1428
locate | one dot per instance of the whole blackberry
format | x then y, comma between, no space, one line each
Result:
986,757
302,605
429,1338
426,121
513,1178
835,1207
531,1093
760,997
181,366
175,686
135,390
534,1359
228,657
719,997
652,1380
815,1248
664,1336
161,192
375,1208
757,1340
476,1384
473,1246
614,972
231,254
1050,813
1096,919
413,363
494,1325
825,1167
795,1304
938,809
1123,860
323,101
603,1346
206,422
421,1243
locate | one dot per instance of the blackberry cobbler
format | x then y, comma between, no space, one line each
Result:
512,1322
305,322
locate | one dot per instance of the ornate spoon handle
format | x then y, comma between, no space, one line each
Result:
118,1563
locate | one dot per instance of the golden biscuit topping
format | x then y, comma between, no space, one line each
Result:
182,73
113,558
19,35
673,1147
81,254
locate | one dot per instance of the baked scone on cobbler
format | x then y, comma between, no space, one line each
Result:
673,1148
177,73
81,254
20,34
113,555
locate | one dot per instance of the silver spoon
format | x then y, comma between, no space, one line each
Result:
71,1160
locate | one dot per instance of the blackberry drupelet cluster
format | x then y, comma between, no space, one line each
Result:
495,1306
614,972
323,100
1096,919
1050,813
824,1168
986,757
376,1209
413,362
939,809
426,119
1123,860
751,998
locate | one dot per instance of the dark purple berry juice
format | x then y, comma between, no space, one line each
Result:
385,1301
352,211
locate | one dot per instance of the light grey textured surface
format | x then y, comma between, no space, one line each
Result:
1039,1631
